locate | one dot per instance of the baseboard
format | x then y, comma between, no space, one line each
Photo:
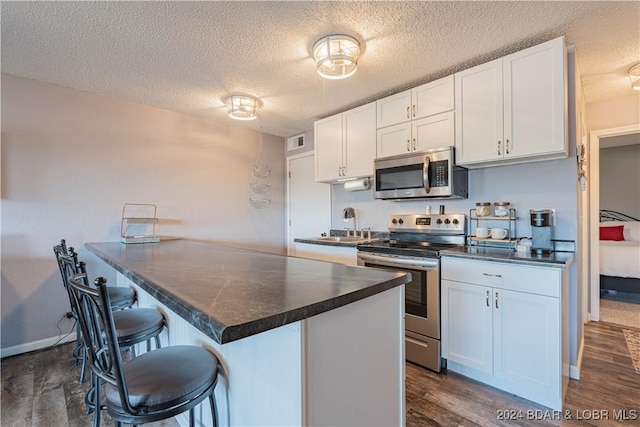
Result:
574,370
36,345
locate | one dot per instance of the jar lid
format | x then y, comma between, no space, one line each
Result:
502,203
483,204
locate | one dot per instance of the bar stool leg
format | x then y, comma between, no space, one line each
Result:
214,410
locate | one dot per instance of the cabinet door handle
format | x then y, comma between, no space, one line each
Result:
408,114
497,300
487,298
414,144
506,146
408,145
492,275
414,111
499,148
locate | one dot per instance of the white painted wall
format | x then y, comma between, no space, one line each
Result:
70,160
620,179
550,184
614,112
606,119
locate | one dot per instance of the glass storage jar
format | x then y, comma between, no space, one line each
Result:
501,208
483,208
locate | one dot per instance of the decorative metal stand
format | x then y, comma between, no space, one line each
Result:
510,241
139,223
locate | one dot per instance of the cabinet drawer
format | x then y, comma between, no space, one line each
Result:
521,278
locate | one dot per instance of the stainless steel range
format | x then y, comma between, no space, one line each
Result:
414,246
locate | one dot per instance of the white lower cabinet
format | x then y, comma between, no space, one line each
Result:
502,324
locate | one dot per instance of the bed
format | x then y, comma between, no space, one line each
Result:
619,252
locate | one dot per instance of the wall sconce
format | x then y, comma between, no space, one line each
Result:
242,107
634,76
336,56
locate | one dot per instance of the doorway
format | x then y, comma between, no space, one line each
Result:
309,202
595,141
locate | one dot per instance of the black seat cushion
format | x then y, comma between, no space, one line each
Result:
121,296
136,322
165,377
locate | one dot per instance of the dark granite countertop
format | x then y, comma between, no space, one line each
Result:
554,259
230,293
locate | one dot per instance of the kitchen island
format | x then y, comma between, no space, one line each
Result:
300,342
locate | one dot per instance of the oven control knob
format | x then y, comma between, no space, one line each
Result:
446,221
455,222
438,221
394,221
400,221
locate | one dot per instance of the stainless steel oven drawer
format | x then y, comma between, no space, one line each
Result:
423,351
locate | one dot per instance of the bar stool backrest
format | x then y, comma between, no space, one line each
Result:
68,267
61,250
98,329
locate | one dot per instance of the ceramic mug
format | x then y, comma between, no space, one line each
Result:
498,233
483,232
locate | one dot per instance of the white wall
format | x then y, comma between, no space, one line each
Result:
620,179
614,112
550,184
70,160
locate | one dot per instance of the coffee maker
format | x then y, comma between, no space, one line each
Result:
541,222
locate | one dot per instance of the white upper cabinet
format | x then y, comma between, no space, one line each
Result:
513,109
432,98
433,132
394,109
345,144
328,148
359,130
418,119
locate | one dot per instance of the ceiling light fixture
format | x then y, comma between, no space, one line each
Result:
634,76
242,107
336,56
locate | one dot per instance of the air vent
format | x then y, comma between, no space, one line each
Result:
295,142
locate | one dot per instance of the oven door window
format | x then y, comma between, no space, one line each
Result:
415,291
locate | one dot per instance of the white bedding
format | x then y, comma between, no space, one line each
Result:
620,259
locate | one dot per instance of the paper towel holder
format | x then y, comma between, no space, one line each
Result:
357,184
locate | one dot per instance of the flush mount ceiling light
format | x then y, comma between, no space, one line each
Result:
336,56
242,107
634,76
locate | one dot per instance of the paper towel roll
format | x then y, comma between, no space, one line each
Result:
357,184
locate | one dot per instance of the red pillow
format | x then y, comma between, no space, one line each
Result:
612,233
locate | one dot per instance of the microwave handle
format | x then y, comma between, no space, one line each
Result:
425,173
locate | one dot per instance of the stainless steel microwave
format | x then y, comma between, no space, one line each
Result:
421,175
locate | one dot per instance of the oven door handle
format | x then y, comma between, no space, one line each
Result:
399,262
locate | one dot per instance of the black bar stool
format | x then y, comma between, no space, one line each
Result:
122,297
133,326
154,386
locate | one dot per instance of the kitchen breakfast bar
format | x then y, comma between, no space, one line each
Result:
300,342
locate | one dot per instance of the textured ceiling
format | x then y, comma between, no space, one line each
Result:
188,56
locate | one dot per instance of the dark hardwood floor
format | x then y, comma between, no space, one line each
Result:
608,382
41,389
